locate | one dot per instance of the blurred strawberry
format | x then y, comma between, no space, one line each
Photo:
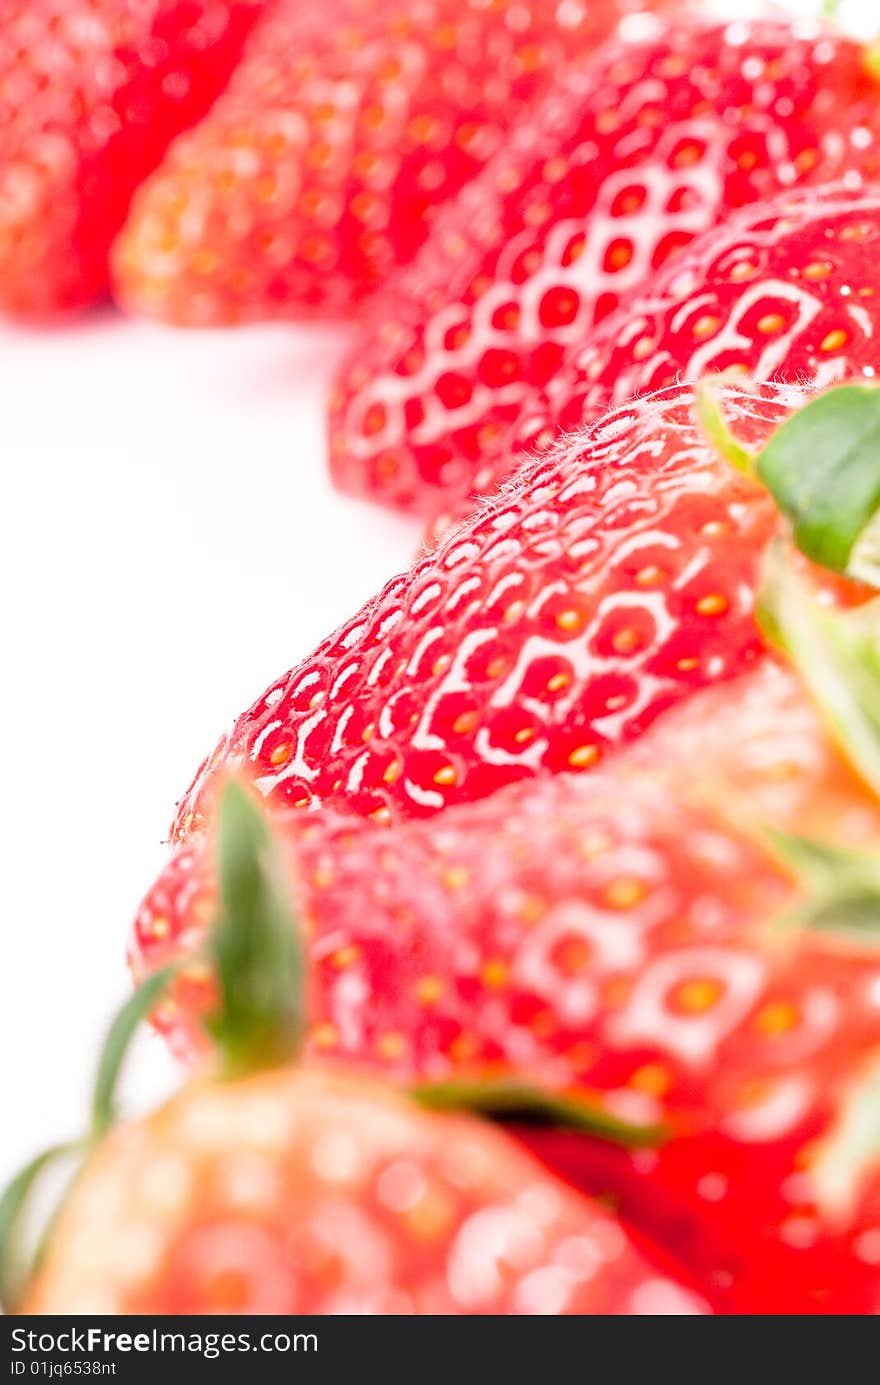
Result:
606,941
91,93
344,128
267,1189
611,581
632,158
783,291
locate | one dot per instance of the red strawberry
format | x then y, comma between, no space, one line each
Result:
784,291
283,1191
635,156
294,1192
614,579
342,130
91,93
606,939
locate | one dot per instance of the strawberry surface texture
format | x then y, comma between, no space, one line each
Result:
608,939
343,130
608,582
632,157
91,94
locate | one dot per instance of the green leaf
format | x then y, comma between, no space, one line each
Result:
15,1263
132,1014
518,1103
837,656
822,467
255,945
850,1151
841,887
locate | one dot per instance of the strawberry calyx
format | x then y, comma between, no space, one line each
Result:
837,657
255,946
257,956
821,468
16,1264
512,1102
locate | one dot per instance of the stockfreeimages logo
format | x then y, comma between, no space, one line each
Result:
96,1341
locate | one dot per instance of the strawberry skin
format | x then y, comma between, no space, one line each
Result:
295,1192
606,938
632,158
343,129
782,291
611,581
91,94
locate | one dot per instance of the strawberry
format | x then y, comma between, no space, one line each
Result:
344,128
91,94
607,938
782,291
626,163
611,581
271,1189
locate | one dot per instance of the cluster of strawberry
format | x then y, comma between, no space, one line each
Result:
565,886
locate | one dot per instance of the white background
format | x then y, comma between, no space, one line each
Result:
169,543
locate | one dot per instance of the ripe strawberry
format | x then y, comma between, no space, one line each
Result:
782,291
274,1190
611,581
91,93
629,161
606,938
341,132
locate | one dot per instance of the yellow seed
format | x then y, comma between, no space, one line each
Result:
817,269
706,326
280,755
324,1036
532,909
770,323
569,620
650,576
390,1046
583,756
525,733
467,722
392,772
558,682
429,989
713,605
494,974
625,892
160,927
696,996
652,1078
777,1017
834,340
345,956
456,877
445,776
626,641
463,1048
